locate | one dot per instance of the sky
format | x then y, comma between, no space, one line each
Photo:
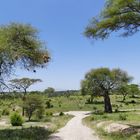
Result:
61,24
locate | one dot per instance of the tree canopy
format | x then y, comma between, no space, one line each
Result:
124,90
20,46
104,81
117,15
23,84
34,103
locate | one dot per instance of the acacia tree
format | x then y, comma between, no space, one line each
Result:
20,46
106,81
117,15
23,84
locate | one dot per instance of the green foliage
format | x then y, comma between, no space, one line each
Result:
134,90
49,91
5,112
32,104
40,112
117,15
48,104
104,81
49,113
32,133
23,84
16,119
133,101
99,112
122,117
124,90
61,114
20,46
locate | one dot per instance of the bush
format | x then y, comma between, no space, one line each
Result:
133,101
49,114
99,112
123,117
92,118
40,113
5,112
104,116
94,108
126,103
16,119
48,104
61,114
116,110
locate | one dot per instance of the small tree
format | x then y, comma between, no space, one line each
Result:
23,84
134,90
105,81
49,91
33,104
124,90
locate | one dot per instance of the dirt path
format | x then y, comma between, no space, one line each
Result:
75,130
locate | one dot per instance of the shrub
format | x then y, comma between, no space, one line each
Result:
16,119
92,118
48,104
99,112
94,108
121,105
49,113
116,110
138,136
40,113
126,103
133,101
88,101
122,117
5,112
61,114
104,116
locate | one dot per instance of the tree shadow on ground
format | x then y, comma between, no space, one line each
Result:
55,138
95,102
128,102
32,133
133,129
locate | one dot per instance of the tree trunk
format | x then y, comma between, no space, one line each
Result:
23,110
107,103
124,97
23,99
29,119
91,99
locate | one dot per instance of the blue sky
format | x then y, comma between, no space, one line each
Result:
61,24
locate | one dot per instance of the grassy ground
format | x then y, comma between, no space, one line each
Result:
72,103
79,103
34,130
131,119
